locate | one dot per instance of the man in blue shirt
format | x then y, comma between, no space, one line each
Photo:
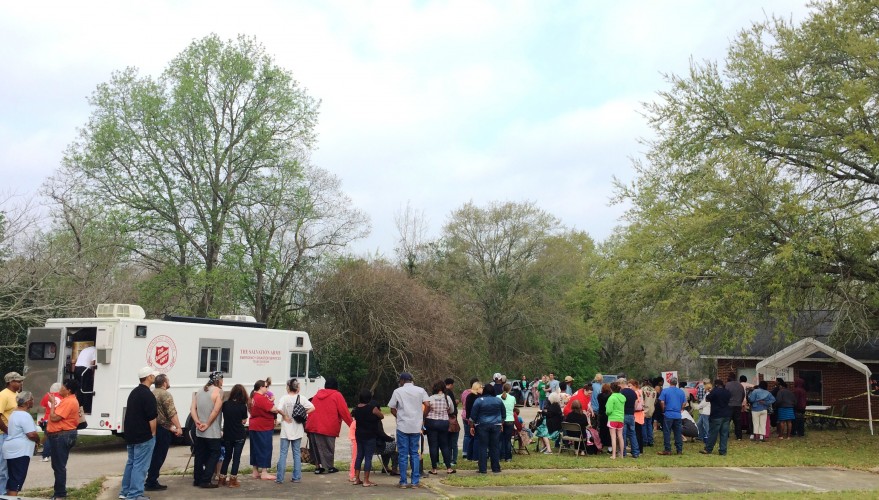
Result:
487,418
672,399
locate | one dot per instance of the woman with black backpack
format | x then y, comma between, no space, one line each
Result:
294,410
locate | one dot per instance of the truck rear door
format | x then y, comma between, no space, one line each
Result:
44,359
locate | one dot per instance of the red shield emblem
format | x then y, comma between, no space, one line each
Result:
163,354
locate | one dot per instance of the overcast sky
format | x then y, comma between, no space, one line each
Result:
429,103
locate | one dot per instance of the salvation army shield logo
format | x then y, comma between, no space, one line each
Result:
162,353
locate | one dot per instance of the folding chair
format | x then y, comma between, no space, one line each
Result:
571,434
520,448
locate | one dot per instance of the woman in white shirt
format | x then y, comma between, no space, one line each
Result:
292,431
18,448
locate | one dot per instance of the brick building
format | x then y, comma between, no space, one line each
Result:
828,381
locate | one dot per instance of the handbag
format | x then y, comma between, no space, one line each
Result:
299,413
454,426
305,453
82,423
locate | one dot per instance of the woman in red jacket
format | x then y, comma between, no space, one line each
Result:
262,425
324,424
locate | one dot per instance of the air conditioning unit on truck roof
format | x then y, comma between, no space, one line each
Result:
120,311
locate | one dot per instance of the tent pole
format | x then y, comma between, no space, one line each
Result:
869,405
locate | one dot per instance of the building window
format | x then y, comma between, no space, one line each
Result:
300,342
814,386
215,355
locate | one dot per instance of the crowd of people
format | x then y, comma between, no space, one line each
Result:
619,418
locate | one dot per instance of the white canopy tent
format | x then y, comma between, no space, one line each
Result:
802,350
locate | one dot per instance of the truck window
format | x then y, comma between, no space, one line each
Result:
313,367
214,355
298,362
42,350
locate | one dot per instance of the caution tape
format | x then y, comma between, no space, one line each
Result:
859,395
834,417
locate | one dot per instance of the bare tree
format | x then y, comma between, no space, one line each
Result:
412,227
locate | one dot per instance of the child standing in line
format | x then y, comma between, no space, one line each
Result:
352,476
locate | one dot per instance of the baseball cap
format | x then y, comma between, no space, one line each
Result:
569,378
146,371
214,376
406,376
13,377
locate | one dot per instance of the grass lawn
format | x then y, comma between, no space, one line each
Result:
556,478
761,495
88,492
850,448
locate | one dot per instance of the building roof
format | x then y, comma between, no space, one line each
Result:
819,325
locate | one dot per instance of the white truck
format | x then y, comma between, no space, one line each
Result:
186,349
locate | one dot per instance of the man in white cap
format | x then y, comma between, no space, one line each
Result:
140,434
7,406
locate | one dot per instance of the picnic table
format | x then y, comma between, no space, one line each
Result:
819,419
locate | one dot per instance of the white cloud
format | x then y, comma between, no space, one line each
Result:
434,102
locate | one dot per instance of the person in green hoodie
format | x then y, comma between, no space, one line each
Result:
615,410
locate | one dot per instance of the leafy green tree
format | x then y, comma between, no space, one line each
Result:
174,158
511,268
757,198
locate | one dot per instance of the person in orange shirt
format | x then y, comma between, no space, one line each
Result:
61,432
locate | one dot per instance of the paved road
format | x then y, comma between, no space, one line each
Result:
710,480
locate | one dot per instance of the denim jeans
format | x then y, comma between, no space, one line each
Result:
647,431
629,437
490,435
407,448
465,428
282,459
438,441
670,425
507,432
134,478
365,452
704,426
47,447
4,471
453,446
232,453
717,427
160,452
61,446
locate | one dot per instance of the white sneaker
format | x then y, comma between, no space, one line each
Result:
46,459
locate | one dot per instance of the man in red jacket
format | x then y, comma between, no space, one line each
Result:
325,423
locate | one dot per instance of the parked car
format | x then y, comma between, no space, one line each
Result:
692,388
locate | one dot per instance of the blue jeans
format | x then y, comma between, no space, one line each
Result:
365,451
491,436
134,478
647,431
670,425
629,437
507,440
717,427
232,454
61,444
465,428
453,446
438,441
160,452
703,425
407,448
4,471
282,459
